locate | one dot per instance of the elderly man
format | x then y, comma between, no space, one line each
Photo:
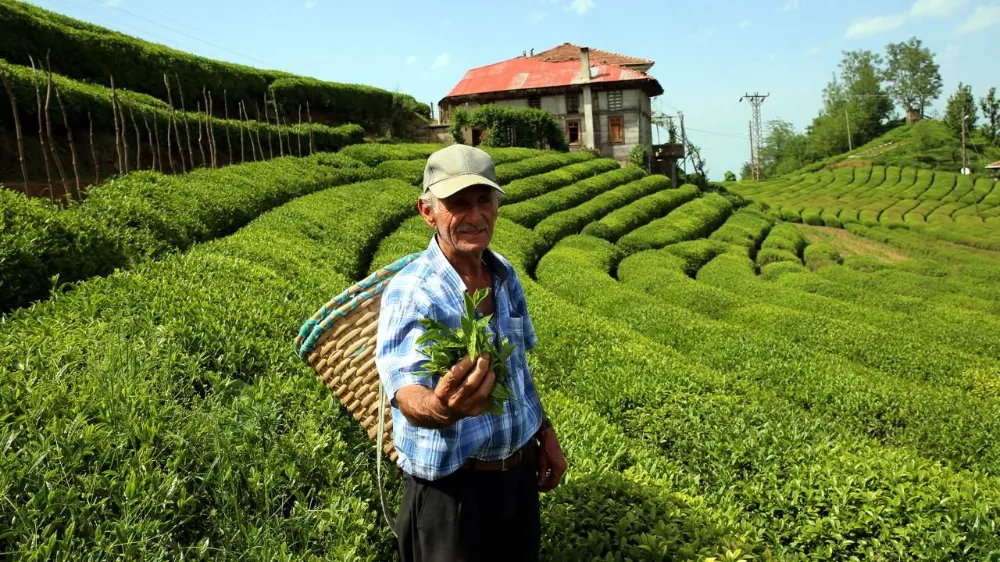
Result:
471,478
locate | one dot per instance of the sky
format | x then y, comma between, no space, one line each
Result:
707,53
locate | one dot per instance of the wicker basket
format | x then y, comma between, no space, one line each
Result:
338,342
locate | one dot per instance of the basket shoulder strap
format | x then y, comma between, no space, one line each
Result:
378,460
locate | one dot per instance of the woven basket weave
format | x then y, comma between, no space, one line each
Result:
338,342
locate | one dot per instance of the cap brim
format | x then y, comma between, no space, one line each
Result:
450,186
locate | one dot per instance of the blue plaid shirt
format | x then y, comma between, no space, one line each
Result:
430,287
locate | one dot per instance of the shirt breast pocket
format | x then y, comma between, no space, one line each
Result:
512,328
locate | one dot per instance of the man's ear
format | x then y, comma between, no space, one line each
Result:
427,212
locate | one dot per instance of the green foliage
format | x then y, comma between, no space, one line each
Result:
990,106
694,219
730,176
622,220
529,213
188,429
146,215
961,106
374,154
510,126
91,53
570,221
533,176
638,157
913,77
444,347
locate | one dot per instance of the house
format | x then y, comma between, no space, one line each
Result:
994,168
602,99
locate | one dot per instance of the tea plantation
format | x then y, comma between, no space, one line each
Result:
802,369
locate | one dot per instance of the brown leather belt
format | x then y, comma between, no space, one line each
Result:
501,465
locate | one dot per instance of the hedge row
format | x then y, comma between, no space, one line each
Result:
145,215
547,162
746,227
784,243
571,221
167,417
412,171
86,102
531,212
563,172
374,154
694,219
625,219
782,466
92,53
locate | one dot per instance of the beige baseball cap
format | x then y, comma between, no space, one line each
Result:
457,167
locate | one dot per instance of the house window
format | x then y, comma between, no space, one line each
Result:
616,129
615,102
535,102
572,103
573,131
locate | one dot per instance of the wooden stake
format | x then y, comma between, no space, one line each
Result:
177,132
200,149
298,132
225,107
187,130
270,149
267,121
52,143
93,152
239,109
312,148
209,122
156,135
41,138
120,111
277,121
69,134
17,129
149,138
138,138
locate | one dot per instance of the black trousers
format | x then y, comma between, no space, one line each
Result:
472,516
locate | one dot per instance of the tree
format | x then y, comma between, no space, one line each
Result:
746,172
782,150
991,114
913,77
868,107
961,105
730,176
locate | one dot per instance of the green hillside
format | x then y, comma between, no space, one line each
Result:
90,53
725,384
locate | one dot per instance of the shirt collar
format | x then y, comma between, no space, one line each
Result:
441,263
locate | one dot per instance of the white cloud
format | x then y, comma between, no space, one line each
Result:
872,26
441,61
705,33
983,17
950,52
935,8
581,7
815,50
411,60
744,24
790,5
310,4
535,17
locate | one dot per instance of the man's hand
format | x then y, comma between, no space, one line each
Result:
551,462
465,389
462,392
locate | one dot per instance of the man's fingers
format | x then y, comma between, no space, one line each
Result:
453,379
543,468
477,373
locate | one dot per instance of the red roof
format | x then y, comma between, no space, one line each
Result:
524,73
569,51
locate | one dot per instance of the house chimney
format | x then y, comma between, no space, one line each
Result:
585,64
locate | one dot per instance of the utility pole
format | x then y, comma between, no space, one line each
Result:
755,99
750,127
848,121
964,161
684,141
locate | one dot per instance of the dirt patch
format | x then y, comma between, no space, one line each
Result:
849,164
848,244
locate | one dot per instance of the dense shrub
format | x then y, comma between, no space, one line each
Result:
531,212
625,219
694,219
510,126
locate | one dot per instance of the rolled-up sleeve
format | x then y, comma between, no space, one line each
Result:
397,355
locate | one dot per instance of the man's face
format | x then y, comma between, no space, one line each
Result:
465,220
